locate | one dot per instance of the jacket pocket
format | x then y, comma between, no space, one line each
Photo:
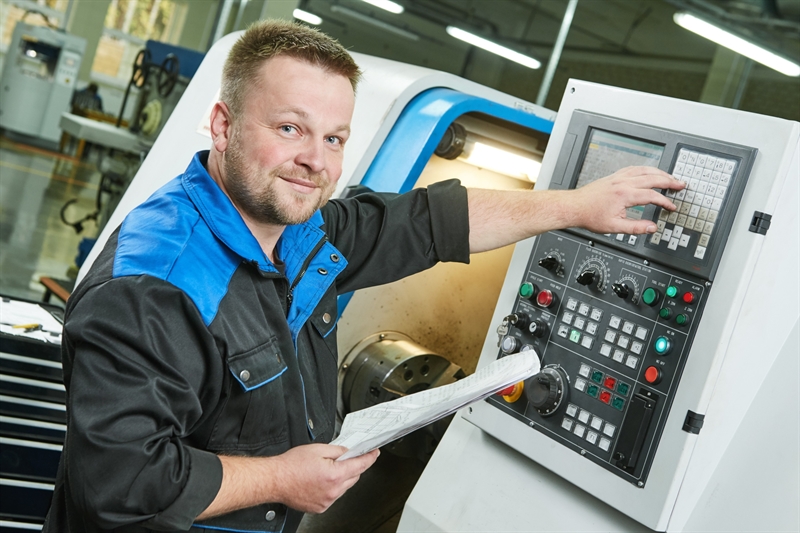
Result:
255,414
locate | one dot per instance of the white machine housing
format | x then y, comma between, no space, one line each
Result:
39,77
383,93
491,472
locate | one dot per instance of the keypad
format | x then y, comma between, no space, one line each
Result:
691,226
588,426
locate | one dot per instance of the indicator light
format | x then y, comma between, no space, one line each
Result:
605,397
652,375
650,296
662,345
665,313
689,297
623,388
610,382
526,290
545,298
592,391
618,403
672,291
681,320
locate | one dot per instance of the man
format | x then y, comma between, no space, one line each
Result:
200,351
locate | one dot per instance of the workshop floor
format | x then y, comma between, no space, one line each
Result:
34,185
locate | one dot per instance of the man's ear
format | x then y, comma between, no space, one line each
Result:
221,126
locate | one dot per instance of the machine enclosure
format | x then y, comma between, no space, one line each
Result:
741,470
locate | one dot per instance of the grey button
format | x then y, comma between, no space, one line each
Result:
244,375
326,318
322,271
270,515
310,423
335,258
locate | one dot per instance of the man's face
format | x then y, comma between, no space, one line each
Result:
284,155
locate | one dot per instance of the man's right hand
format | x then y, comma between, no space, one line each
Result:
306,478
310,479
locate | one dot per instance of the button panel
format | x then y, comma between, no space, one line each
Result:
604,342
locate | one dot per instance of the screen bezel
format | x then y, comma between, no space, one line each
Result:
573,152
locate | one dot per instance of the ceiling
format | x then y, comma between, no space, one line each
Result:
628,32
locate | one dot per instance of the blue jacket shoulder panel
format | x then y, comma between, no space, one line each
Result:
166,238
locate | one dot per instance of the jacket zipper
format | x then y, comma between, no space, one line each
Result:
309,258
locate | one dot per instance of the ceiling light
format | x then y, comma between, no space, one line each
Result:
388,5
305,16
374,22
737,44
494,48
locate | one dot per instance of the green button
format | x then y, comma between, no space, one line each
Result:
665,313
650,296
526,290
618,403
575,335
681,320
672,292
662,345
597,376
592,390
623,388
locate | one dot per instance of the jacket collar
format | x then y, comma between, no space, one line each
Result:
219,213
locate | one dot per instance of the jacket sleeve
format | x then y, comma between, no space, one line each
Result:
386,237
138,375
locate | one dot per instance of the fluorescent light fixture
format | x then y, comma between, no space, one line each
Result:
483,155
737,44
494,48
374,22
305,16
388,5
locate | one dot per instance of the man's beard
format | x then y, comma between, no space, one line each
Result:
264,205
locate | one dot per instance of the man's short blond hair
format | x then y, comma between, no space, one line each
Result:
270,38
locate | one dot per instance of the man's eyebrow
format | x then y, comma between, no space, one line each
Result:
303,114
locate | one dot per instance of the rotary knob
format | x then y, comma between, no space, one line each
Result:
550,263
622,290
519,320
537,328
547,390
587,277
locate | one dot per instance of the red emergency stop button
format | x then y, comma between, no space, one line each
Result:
689,297
652,375
508,391
545,298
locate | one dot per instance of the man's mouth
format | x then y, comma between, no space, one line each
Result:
300,185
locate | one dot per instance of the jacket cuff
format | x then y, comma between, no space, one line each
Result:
202,485
447,201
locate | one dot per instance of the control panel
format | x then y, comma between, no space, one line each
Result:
613,316
613,333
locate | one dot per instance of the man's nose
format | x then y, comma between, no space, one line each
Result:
312,156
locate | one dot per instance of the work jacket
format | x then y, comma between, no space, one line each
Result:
184,341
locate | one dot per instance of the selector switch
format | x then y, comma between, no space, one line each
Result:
587,277
622,290
519,320
538,328
550,263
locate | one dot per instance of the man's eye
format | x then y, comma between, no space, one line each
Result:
287,129
333,140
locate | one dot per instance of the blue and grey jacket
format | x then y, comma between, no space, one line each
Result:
185,341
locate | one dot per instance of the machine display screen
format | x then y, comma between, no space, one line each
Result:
608,152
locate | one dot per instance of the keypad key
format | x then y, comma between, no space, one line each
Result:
579,323
708,201
663,214
661,224
563,331
684,242
597,314
711,161
698,199
685,208
721,191
708,228
701,159
614,322
609,429
702,187
566,423
729,166
680,223
591,329
681,194
636,347
711,189
655,239
591,437
567,317
700,252
699,225
627,327
605,444
692,157
618,356
715,176
579,430
689,198
583,309
580,384
725,179
605,350
694,183
683,155
677,231
572,304
716,204
673,217
611,335
694,210
667,234
704,238
623,342
697,173
641,333
720,165
690,223
678,167
584,416
673,244
706,174
703,214
597,423
631,361
712,216
572,409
